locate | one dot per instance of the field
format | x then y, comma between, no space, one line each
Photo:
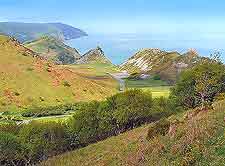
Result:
99,69
203,134
158,88
158,91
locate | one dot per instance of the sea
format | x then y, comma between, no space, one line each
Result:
119,47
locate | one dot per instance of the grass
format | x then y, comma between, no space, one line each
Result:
158,88
143,83
27,81
100,69
197,140
159,91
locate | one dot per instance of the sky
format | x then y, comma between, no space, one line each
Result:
192,18
165,24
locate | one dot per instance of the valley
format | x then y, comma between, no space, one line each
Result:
61,107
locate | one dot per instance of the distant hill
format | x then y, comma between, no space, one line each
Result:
54,49
31,31
94,56
167,65
27,80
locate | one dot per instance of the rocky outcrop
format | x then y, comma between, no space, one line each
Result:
94,56
168,65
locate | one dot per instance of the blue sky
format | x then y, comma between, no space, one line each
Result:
166,24
204,18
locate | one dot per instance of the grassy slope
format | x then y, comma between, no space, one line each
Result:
198,140
159,62
52,48
27,81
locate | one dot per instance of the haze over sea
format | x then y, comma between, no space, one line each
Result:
119,47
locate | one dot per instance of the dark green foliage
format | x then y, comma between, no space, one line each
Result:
156,77
131,108
66,84
49,111
134,76
43,139
90,123
85,123
199,86
97,120
11,150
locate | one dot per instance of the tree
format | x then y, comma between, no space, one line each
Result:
198,86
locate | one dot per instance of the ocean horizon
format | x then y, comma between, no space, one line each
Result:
119,47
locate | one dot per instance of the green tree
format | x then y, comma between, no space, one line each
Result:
198,86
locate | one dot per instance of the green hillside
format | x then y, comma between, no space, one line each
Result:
192,139
27,80
167,65
94,56
54,49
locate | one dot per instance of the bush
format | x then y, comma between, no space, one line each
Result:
130,109
156,77
50,111
11,150
43,139
66,84
85,123
90,123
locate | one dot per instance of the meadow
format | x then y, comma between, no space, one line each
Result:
158,88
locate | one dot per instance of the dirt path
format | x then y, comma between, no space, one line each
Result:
41,118
120,78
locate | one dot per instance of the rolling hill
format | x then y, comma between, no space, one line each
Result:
54,49
31,31
167,65
94,56
29,80
192,139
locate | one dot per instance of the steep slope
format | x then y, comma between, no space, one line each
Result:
31,31
193,140
155,61
28,80
54,49
94,56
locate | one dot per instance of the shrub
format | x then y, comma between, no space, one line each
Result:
43,139
30,69
49,111
131,108
11,150
156,77
84,123
66,84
